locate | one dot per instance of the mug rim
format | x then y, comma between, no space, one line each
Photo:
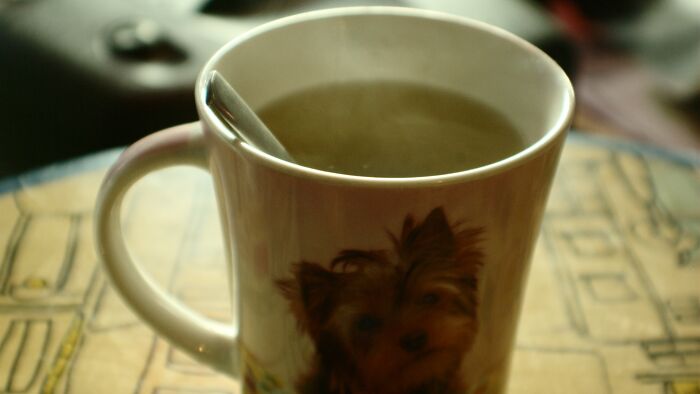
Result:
559,127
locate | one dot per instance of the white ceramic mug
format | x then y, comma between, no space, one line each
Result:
351,284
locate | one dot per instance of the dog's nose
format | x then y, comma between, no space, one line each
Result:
414,341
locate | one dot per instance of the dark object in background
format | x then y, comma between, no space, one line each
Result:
664,35
608,10
77,76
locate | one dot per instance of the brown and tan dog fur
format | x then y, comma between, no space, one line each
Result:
391,322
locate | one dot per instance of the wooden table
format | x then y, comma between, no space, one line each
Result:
613,304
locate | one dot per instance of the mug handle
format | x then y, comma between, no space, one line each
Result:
208,341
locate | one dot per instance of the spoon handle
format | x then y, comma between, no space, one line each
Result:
233,111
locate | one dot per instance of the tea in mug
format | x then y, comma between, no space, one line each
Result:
390,129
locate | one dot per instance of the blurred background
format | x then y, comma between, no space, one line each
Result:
80,76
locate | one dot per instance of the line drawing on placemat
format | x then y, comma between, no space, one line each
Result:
618,252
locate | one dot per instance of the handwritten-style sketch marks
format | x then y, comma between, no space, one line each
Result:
613,305
23,345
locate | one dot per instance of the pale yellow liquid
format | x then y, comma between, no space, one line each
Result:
389,129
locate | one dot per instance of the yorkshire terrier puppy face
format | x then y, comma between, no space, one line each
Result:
395,325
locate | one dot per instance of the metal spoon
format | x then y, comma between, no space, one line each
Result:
233,112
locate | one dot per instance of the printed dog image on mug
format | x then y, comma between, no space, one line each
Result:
395,321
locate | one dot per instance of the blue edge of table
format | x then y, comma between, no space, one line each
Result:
106,158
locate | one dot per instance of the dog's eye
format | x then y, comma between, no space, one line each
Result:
367,323
429,299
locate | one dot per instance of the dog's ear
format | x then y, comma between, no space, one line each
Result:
435,228
311,294
469,256
432,239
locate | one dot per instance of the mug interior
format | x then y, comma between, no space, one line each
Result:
401,45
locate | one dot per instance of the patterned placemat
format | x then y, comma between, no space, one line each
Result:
613,303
